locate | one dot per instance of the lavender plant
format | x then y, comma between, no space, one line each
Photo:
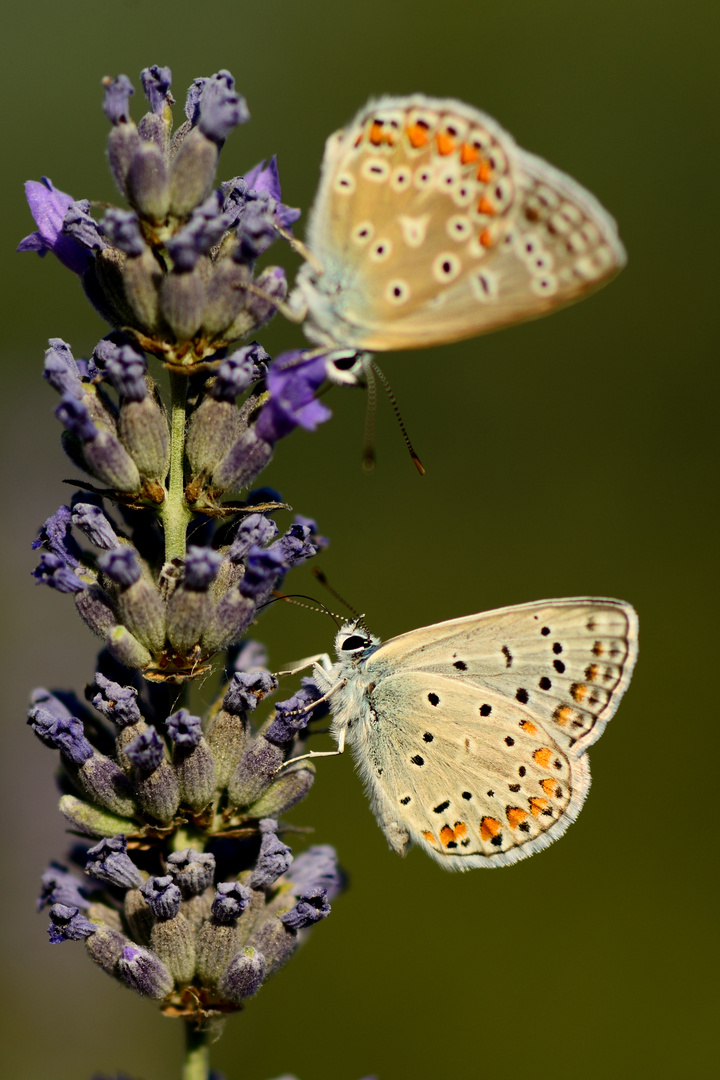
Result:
180,885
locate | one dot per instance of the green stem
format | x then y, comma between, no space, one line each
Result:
175,514
197,1054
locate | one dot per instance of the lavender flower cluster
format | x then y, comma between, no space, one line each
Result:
190,897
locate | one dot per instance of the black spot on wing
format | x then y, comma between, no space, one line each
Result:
508,656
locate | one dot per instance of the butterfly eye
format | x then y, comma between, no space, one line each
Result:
354,643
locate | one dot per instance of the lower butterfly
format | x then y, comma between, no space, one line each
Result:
471,735
431,224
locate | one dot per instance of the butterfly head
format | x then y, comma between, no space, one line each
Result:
353,641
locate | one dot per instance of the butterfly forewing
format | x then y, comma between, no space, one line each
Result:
432,226
565,662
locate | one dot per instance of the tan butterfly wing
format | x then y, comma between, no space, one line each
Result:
476,750
432,225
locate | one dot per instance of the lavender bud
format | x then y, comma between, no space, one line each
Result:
173,941
68,924
162,896
59,886
227,738
212,429
142,279
138,916
254,773
122,228
192,172
245,459
232,616
144,972
127,650
273,861
116,101
231,899
316,866
192,760
311,907
147,183
105,947
90,821
143,429
221,107
97,611
192,871
156,785
276,942
116,703
244,975
253,531
290,788
156,83
226,298
109,861
139,603
217,938
247,689
91,520
182,301
263,569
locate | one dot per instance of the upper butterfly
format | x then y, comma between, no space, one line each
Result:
471,735
432,225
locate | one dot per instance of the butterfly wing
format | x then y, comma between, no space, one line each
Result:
480,725
433,226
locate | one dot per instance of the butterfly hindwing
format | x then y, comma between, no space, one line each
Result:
432,226
463,770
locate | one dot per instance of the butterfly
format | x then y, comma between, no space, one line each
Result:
431,224
471,735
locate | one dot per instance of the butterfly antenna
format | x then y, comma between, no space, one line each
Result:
388,390
333,592
294,599
368,450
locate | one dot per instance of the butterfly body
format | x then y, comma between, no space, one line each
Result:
471,735
432,225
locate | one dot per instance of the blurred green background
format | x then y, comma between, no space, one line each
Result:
574,455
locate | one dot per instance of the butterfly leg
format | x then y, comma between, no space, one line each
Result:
318,753
299,665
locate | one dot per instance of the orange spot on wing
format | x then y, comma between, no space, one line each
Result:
418,135
543,757
430,838
515,816
578,691
485,238
460,830
528,726
447,835
537,806
598,649
563,714
376,133
468,154
484,173
591,673
445,143
486,207
489,827
548,786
